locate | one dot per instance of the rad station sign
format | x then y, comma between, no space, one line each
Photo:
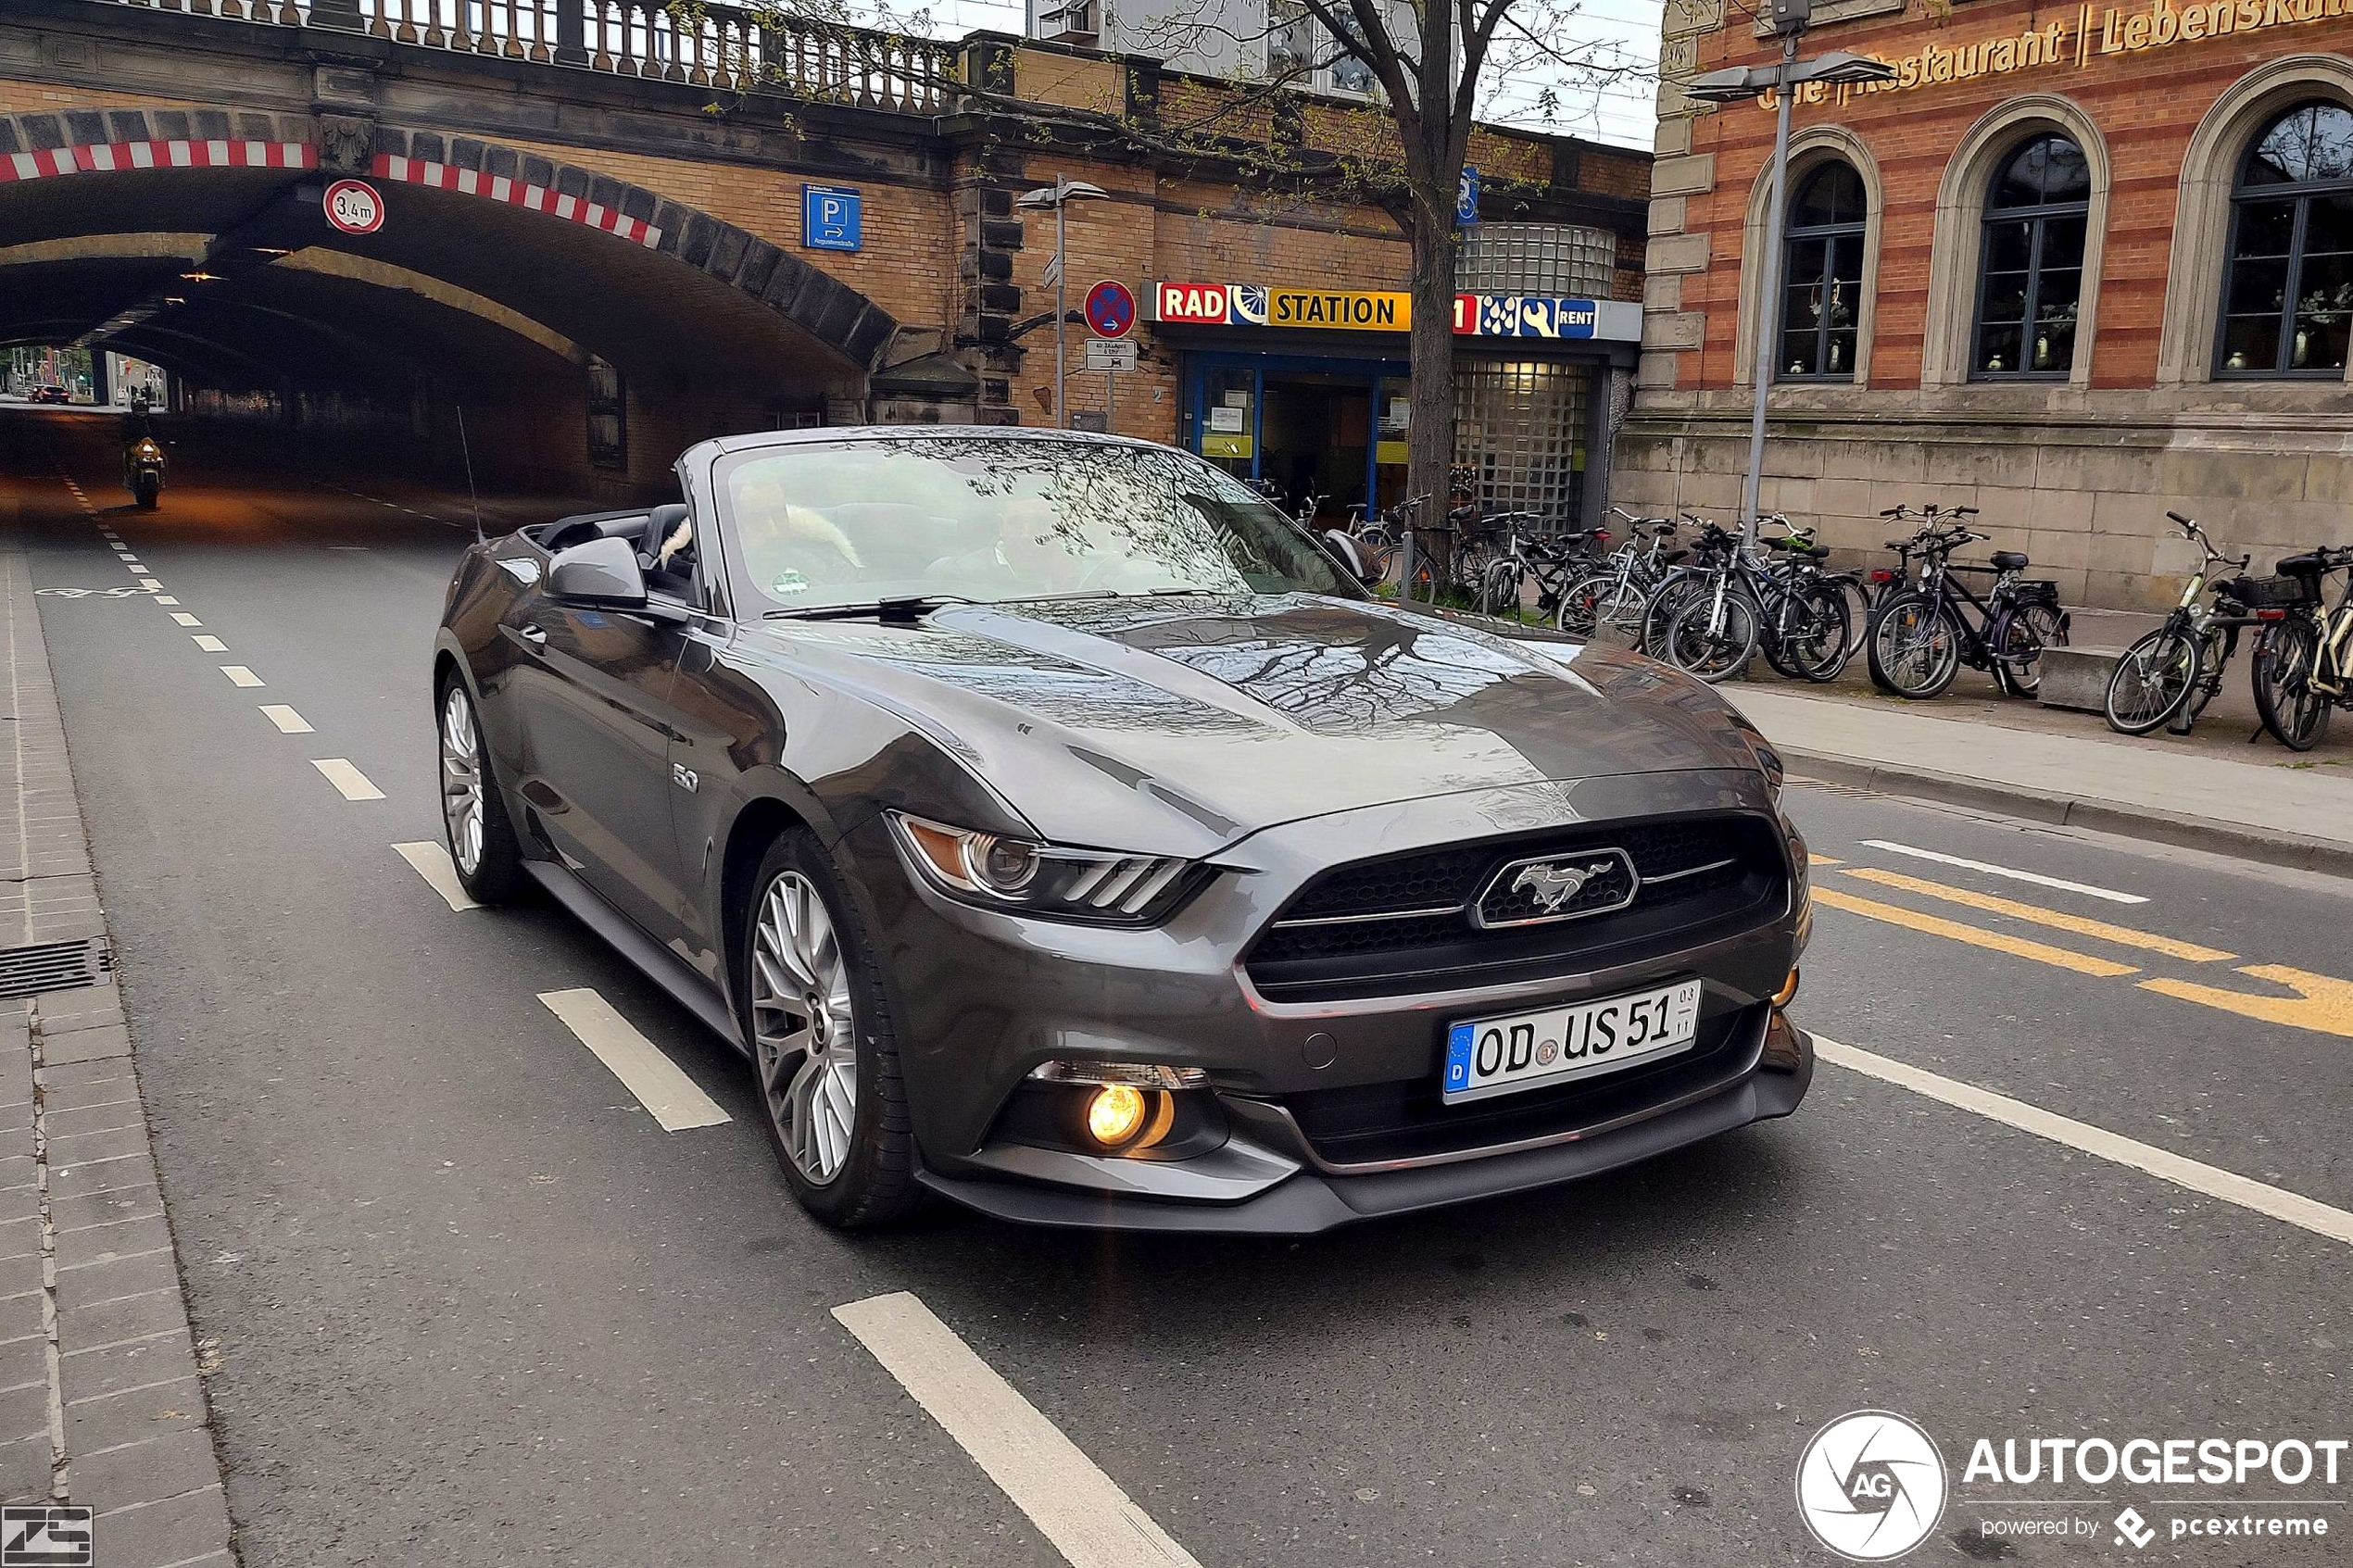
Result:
353,206
1476,315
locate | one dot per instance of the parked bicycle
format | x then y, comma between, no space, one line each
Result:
1548,561
2302,664
1609,594
2168,675
1717,613
1921,635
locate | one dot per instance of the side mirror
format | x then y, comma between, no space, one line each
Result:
599,571
1351,556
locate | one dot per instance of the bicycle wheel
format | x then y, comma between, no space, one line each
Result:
1811,642
1915,648
1499,590
2018,641
1597,602
1666,603
1711,646
2151,681
2284,653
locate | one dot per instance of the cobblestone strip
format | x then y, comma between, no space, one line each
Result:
102,1401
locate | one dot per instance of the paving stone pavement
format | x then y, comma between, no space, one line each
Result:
102,1400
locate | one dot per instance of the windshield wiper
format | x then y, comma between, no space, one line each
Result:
903,607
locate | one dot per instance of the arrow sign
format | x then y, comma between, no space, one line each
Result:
1111,310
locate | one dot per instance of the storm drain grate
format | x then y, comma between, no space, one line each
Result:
55,966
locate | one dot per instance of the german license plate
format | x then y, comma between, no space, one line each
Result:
1528,1050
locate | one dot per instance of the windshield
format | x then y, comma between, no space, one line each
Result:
994,519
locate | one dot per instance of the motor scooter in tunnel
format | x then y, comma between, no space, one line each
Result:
143,472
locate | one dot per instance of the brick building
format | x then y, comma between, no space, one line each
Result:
2078,264
708,250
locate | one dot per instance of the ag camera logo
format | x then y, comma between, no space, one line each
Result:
1870,1486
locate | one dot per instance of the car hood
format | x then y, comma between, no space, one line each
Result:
1148,724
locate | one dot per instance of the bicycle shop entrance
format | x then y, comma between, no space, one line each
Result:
1306,424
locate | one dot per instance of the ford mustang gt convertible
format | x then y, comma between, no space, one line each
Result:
1060,828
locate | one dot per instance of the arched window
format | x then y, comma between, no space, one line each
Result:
1822,276
2030,274
2288,301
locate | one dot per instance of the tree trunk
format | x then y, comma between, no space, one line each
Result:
1430,451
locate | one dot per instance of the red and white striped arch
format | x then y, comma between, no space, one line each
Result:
182,152
515,193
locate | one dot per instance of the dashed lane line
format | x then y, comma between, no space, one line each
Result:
2292,1207
2085,888
2123,936
209,643
149,584
185,619
353,783
2000,942
166,599
289,723
432,861
241,677
669,1096
1078,1508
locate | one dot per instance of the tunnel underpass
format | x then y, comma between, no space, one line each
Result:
584,329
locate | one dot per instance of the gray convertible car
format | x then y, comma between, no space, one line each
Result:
1059,828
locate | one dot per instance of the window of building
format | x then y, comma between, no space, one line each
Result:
1300,49
2288,301
2030,287
608,417
1519,436
1822,275
1538,259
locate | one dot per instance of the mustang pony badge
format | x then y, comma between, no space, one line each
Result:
1553,885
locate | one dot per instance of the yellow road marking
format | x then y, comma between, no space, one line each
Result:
2321,1002
1935,925
1814,860
2123,935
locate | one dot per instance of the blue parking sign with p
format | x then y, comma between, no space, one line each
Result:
829,217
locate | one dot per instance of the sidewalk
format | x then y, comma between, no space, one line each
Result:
101,1403
2286,815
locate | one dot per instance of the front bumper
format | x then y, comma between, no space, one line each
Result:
980,999
1310,1201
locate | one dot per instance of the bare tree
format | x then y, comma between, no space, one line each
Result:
1433,65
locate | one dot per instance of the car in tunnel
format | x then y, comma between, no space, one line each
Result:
1060,829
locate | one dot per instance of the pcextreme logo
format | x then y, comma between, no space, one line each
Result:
1870,1486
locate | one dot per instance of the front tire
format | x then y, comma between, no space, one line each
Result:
2285,654
482,845
822,1043
2151,682
1916,648
146,490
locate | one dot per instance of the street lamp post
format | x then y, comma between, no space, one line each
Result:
1734,85
1059,196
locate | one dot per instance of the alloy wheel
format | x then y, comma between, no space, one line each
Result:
462,785
804,1029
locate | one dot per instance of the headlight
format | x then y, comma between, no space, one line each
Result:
994,871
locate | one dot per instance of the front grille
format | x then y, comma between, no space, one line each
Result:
1410,921
1372,1123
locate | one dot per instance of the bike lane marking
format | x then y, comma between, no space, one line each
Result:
2291,1208
289,723
349,782
673,1100
2109,893
1080,1510
432,861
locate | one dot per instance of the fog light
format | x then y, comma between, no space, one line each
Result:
1114,1114
1788,993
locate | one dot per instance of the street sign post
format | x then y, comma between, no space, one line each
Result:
1107,354
353,206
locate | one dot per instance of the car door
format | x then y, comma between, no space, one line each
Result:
592,689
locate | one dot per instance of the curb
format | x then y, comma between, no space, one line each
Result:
108,1378
2328,856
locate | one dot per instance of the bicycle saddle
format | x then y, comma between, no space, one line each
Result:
2310,563
2009,560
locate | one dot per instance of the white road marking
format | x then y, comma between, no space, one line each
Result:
432,862
209,643
289,723
670,1096
2211,1180
347,778
2037,878
149,584
1073,1504
185,619
166,599
241,677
